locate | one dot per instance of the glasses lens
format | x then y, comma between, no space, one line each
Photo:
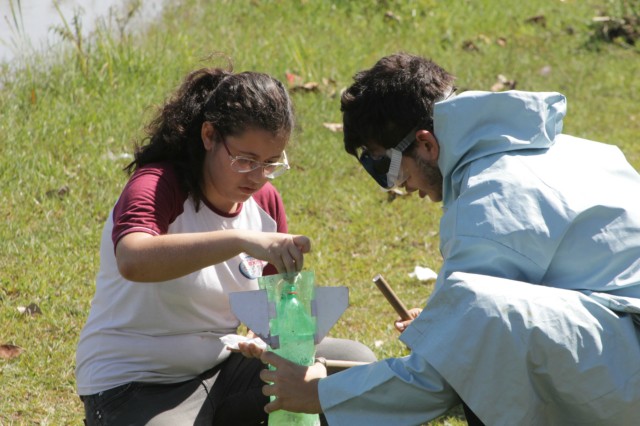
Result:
269,170
244,165
273,171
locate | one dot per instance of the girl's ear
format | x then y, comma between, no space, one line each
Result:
208,133
427,145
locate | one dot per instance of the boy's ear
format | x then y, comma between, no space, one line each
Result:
427,145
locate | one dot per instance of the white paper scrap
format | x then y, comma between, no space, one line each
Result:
423,274
231,341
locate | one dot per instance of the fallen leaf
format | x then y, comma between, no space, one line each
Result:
501,41
617,29
60,192
293,79
546,70
334,127
503,83
9,351
469,46
394,193
391,16
537,20
32,309
296,83
311,86
483,38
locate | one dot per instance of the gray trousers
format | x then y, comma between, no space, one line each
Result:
228,394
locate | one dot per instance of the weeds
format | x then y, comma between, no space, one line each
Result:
16,25
619,24
72,33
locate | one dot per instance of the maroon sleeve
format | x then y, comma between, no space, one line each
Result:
269,199
149,203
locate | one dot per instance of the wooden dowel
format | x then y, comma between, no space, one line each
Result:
336,363
391,297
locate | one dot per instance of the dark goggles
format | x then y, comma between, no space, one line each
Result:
385,169
377,168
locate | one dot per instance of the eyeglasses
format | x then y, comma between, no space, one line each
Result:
242,164
385,169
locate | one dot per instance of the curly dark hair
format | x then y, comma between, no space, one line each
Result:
388,100
234,103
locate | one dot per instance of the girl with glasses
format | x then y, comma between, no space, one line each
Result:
198,218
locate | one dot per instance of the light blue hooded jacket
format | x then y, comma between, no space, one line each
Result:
523,204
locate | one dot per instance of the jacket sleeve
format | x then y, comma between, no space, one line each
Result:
397,391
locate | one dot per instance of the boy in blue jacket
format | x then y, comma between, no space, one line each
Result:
535,316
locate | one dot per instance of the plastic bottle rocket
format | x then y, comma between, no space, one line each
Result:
296,329
291,314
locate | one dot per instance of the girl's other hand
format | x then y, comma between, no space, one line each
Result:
250,350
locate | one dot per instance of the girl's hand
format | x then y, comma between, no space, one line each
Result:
284,251
402,325
250,350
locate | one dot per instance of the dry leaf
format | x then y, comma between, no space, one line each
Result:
32,309
9,351
334,127
537,20
469,46
60,192
312,86
501,41
391,16
546,70
483,38
611,29
293,79
297,84
503,84
394,193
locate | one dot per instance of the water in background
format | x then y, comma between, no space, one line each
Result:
30,26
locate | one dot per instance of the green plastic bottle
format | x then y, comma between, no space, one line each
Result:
296,330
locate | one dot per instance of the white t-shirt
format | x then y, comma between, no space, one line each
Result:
166,332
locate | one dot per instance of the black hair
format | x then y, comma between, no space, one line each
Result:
390,99
233,103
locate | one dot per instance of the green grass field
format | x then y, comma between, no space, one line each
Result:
67,125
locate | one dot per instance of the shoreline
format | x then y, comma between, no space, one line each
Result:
34,31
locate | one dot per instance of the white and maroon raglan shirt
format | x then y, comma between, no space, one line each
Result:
167,332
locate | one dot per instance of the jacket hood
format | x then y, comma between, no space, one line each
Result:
478,124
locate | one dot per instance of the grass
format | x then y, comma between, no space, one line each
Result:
67,125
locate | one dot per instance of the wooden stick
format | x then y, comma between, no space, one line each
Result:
391,297
336,363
